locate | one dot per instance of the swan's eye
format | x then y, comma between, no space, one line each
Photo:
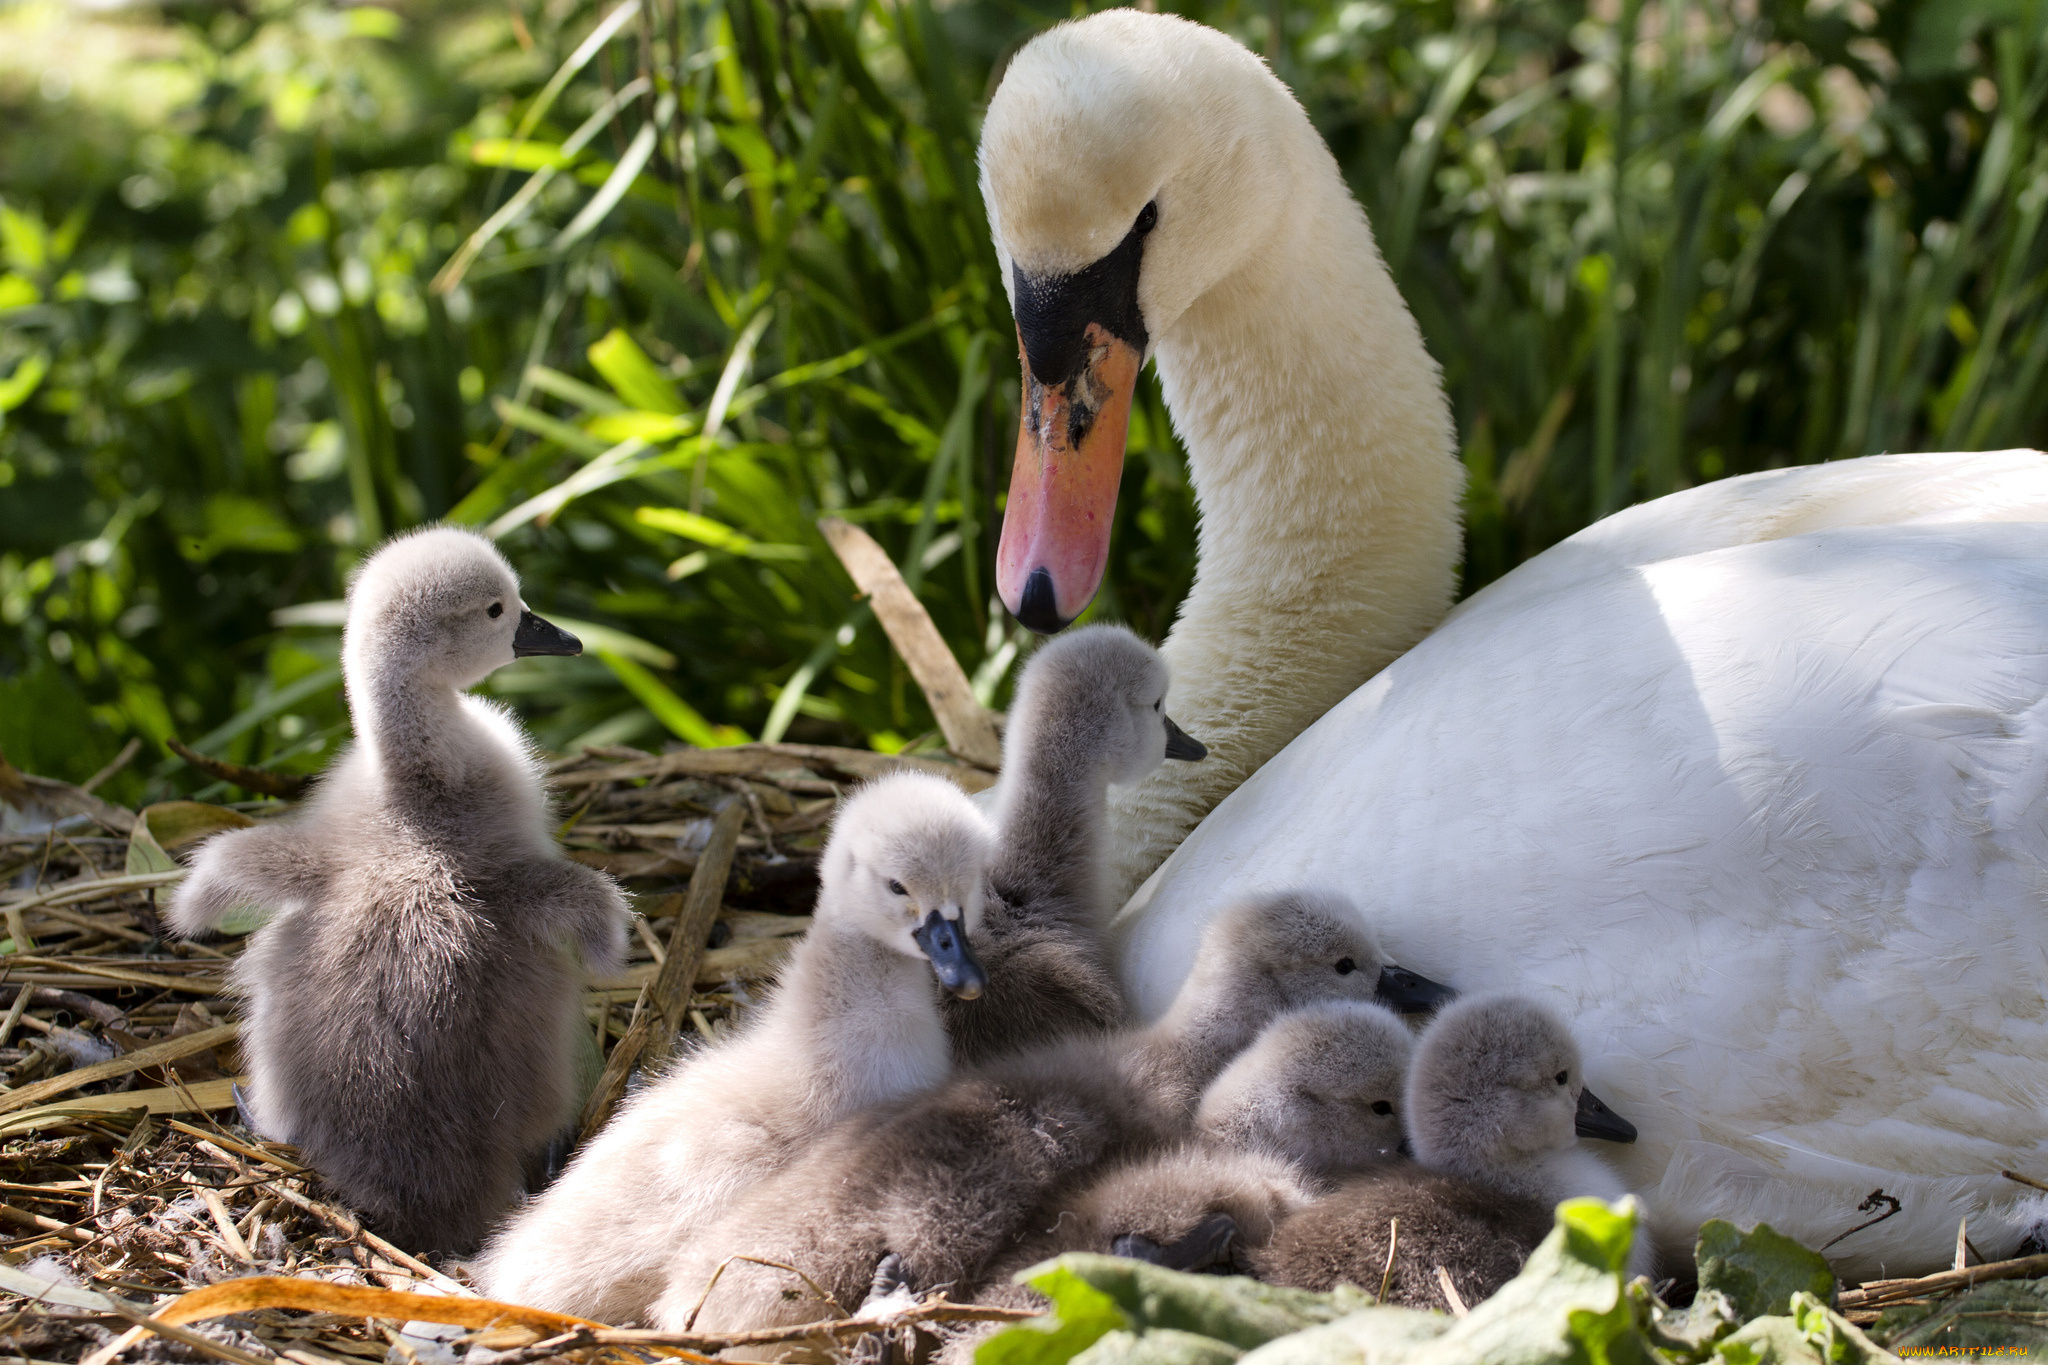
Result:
1148,218
1564,1077
1345,966
495,610
1382,1108
897,888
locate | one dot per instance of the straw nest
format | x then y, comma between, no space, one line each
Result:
129,1188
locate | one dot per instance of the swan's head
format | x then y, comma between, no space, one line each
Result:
1130,163
906,864
1495,1081
442,606
1322,1086
1097,698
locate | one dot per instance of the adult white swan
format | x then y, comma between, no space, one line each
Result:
1749,779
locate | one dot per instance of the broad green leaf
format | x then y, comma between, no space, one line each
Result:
633,374
1242,1312
16,388
236,522
1759,1270
682,719
1566,1305
551,428
1369,1336
715,534
373,21
1161,1346
572,390
1768,1341
22,240
652,427
17,291
1081,1315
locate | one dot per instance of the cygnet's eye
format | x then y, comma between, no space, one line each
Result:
495,610
1345,966
1148,218
897,887
1564,1078
1157,704
1382,1108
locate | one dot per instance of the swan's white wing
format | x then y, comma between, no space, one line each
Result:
1765,819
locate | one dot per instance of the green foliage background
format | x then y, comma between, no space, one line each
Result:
723,269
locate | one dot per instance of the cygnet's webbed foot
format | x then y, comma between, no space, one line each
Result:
1209,1249
245,1112
892,1276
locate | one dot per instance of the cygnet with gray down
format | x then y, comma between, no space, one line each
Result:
854,1021
1089,712
941,1185
1318,1094
1493,1120
413,1005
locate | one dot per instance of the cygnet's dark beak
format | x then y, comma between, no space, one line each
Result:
945,943
536,636
1403,1149
1596,1120
1182,745
1406,992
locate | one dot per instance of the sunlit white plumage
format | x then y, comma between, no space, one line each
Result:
1746,780
1765,820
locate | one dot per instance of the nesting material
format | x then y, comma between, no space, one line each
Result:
100,1170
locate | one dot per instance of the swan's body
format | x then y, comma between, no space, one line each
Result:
1089,711
853,1021
948,1181
1783,856
1748,779
413,1006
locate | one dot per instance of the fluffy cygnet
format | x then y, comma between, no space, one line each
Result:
1319,1093
854,1021
1323,1086
947,1181
1089,712
413,1006
1492,1115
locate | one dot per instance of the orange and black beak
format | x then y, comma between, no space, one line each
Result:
1083,342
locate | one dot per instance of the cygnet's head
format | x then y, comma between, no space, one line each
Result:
1296,947
906,864
1130,162
1096,697
1323,1085
441,606
1495,1081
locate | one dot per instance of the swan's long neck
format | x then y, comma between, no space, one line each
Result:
1325,465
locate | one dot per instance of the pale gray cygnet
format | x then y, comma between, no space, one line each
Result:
1316,1095
946,1182
853,1021
1089,713
1493,1115
413,1007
